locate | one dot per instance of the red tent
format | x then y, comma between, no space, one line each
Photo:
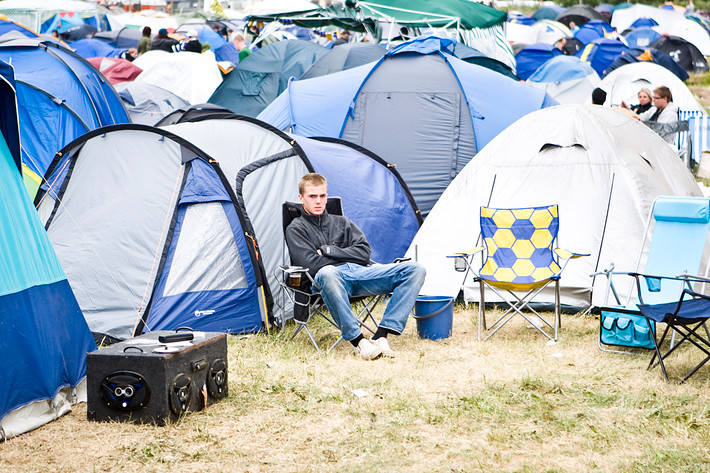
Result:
116,70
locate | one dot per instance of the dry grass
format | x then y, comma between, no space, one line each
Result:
512,404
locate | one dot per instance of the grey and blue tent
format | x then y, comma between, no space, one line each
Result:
147,104
344,56
43,336
419,108
256,81
150,235
153,233
60,97
265,168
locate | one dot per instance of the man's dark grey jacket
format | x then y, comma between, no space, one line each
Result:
337,237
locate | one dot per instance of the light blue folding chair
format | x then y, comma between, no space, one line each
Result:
680,231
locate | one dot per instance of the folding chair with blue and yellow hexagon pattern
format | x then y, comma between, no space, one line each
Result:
518,258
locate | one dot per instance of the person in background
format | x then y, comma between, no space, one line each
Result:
145,42
241,45
666,110
191,43
560,44
163,42
573,27
344,38
644,107
598,96
129,54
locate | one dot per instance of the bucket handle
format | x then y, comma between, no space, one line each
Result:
436,312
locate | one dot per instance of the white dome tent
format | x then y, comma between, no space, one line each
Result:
603,168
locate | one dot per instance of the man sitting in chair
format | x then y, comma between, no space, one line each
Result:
337,255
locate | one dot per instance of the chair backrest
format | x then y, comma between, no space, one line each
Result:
680,231
292,210
699,126
519,243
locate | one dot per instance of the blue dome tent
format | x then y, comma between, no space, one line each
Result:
651,55
600,53
67,99
567,79
533,56
641,37
644,22
405,107
42,330
90,47
592,30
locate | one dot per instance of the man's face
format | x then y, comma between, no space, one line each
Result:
659,102
314,199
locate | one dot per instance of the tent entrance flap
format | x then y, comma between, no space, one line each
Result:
206,256
435,119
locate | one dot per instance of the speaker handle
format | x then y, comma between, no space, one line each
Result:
184,328
135,348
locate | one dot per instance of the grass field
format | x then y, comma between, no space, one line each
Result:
512,404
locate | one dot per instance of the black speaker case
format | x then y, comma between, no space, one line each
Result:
136,355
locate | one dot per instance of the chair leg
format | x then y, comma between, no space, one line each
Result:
516,308
558,317
481,311
304,326
657,353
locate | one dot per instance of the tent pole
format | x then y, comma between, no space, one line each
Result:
601,241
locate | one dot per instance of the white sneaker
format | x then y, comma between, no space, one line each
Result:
368,350
384,346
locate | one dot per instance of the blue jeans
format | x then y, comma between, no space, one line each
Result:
339,283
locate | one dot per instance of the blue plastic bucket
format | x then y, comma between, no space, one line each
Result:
434,316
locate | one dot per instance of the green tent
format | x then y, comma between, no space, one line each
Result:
439,14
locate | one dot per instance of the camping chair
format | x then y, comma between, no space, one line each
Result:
519,259
298,285
678,222
685,317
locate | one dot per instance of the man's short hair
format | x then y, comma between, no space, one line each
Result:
598,96
312,179
664,92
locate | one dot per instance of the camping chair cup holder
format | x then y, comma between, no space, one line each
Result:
518,259
295,275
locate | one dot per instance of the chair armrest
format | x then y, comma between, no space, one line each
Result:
566,254
469,252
